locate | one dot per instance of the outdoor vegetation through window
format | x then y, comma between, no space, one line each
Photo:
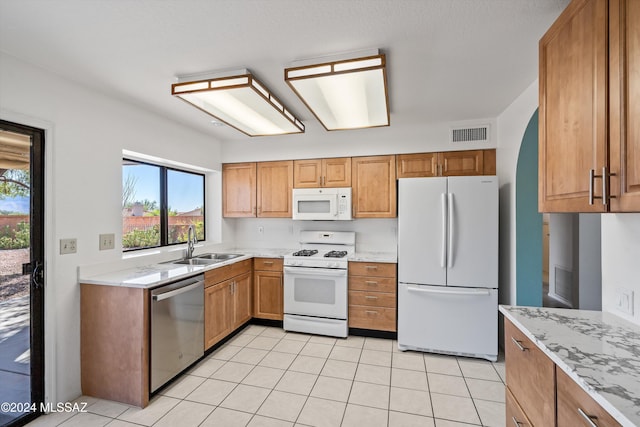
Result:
159,204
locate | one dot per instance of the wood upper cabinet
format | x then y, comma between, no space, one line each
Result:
275,182
624,105
589,140
373,182
448,163
268,295
239,190
314,173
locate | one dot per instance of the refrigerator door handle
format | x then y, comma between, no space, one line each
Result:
451,229
448,291
443,257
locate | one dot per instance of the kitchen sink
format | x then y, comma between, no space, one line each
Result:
195,261
218,257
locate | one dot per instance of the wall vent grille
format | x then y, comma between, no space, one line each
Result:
470,134
564,283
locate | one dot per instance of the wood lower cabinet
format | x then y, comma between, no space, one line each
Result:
373,181
227,300
314,173
530,377
576,407
268,302
114,343
274,185
447,163
239,190
515,415
372,296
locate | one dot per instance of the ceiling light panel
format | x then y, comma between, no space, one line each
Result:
241,102
346,94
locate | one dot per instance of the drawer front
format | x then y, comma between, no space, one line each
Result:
375,284
575,405
530,376
375,269
376,318
267,264
515,416
372,299
226,272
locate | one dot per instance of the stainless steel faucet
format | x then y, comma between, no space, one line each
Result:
191,241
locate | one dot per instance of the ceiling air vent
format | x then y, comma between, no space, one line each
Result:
470,134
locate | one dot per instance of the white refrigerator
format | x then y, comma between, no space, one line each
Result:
448,265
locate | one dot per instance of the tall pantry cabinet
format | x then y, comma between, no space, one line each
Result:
589,142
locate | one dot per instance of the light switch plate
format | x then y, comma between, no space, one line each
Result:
624,301
68,246
107,241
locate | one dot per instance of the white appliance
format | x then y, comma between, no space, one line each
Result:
448,265
315,283
322,203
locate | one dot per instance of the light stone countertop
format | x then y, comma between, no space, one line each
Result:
157,274
598,350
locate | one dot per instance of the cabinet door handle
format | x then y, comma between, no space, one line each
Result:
371,282
588,418
371,312
516,423
592,178
519,344
370,297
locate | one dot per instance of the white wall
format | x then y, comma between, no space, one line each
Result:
590,262
561,253
511,125
86,132
372,235
620,261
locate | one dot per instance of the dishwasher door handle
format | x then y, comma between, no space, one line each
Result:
175,292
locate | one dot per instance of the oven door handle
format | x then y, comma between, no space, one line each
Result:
316,271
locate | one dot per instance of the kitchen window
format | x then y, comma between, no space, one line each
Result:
159,204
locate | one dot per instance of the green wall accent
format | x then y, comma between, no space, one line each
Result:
528,221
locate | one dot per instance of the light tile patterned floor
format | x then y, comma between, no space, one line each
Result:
267,377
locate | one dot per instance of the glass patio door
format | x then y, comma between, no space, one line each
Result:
21,273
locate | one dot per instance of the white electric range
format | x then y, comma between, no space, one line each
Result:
315,283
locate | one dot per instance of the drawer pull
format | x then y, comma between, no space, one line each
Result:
371,312
519,344
372,267
588,418
371,282
370,297
516,423
267,262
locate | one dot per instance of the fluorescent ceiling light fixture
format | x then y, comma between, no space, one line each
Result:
344,94
240,101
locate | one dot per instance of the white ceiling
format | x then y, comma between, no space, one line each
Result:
447,60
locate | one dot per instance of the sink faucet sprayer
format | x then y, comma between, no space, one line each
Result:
191,240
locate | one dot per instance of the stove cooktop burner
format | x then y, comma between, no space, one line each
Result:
336,254
306,252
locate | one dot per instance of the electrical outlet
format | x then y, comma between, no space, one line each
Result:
107,241
68,246
624,301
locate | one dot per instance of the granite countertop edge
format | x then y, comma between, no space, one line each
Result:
157,274
568,367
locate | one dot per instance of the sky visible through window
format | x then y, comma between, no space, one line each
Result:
185,189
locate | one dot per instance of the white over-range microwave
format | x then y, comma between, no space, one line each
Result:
322,204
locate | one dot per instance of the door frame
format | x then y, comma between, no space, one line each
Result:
36,255
50,339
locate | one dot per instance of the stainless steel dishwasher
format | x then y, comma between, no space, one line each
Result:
177,328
